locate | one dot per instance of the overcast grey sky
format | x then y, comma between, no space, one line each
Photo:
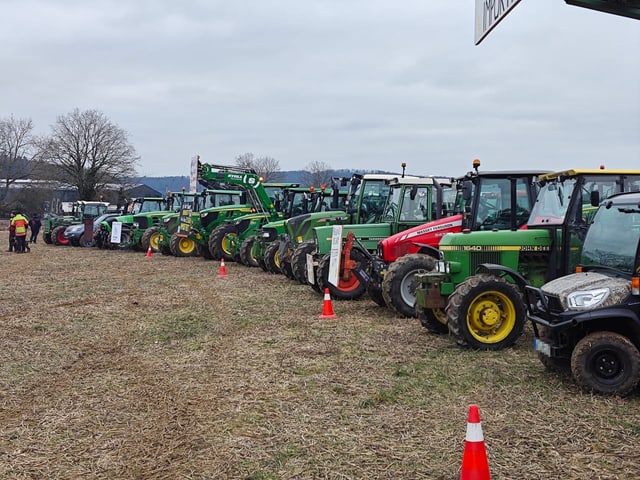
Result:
357,84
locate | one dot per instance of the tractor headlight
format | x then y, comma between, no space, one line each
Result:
443,267
587,298
136,225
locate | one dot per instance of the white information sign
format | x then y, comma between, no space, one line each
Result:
334,259
489,13
116,232
310,274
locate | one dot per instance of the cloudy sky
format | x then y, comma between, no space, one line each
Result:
357,84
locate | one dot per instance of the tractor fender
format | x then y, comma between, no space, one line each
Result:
429,250
501,270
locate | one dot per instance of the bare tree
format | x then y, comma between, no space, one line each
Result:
317,173
266,167
17,153
89,152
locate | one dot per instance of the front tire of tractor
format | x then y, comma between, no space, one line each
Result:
486,312
272,257
435,321
299,260
150,238
47,238
285,264
57,234
348,288
221,242
183,246
399,284
607,363
246,252
86,243
375,294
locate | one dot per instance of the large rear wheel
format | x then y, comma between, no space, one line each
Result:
486,312
183,246
222,242
150,238
57,235
247,256
272,257
299,260
607,363
399,283
349,285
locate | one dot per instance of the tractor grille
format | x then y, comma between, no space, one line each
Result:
143,223
478,258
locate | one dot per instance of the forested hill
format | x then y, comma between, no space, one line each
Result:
175,184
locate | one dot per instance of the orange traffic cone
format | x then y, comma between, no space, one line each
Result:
149,252
327,308
223,270
475,465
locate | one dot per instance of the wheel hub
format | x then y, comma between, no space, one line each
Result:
489,314
607,365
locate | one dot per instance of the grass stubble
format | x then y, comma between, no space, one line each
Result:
114,365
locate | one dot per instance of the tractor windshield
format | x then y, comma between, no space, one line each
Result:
613,238
552,202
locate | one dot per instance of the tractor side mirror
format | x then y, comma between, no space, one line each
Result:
467,188
595,198
414,192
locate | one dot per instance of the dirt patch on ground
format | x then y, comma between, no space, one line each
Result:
114,365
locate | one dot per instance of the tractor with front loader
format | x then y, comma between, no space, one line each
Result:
588,323
482,200
478,284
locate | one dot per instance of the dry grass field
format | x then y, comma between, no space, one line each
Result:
114,365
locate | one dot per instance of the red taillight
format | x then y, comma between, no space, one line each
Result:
635,285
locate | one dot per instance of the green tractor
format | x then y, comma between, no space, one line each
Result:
179,233
478,285
81,211
410,201
140,214
481,200
265,248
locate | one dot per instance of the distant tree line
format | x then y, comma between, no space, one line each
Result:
87,152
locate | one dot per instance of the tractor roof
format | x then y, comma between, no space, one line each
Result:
506,173
587,171
411,181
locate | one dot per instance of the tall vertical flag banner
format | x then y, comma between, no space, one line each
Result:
193,183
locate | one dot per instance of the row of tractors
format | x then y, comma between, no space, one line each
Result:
474,256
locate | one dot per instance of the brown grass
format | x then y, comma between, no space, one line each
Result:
114,365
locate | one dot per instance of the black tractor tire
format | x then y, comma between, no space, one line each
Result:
607,363
220,242
272,257
246,252
285,264
150,239
47,238
486,312
125,240
203,251
57,235
435,321
350,289
556,365
399,284
83,242
299,260
375,294
183,246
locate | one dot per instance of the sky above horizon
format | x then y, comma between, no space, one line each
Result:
360,85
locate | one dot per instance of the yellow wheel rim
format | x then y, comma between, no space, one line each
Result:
276,258
228,243
186,245
153,242
491,317
440,315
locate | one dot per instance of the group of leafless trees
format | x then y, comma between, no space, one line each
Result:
84,150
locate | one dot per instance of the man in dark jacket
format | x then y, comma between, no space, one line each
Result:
35,225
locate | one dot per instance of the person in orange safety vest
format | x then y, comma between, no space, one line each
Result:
20,223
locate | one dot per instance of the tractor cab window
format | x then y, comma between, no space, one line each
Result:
448,200
93,211
494,208
374,197
415,204
617,250
553,201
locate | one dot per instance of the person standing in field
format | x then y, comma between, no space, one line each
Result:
20,223
34,225
12,233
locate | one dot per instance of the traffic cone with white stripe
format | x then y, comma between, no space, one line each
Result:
327,308
149,252
223,269
475,465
